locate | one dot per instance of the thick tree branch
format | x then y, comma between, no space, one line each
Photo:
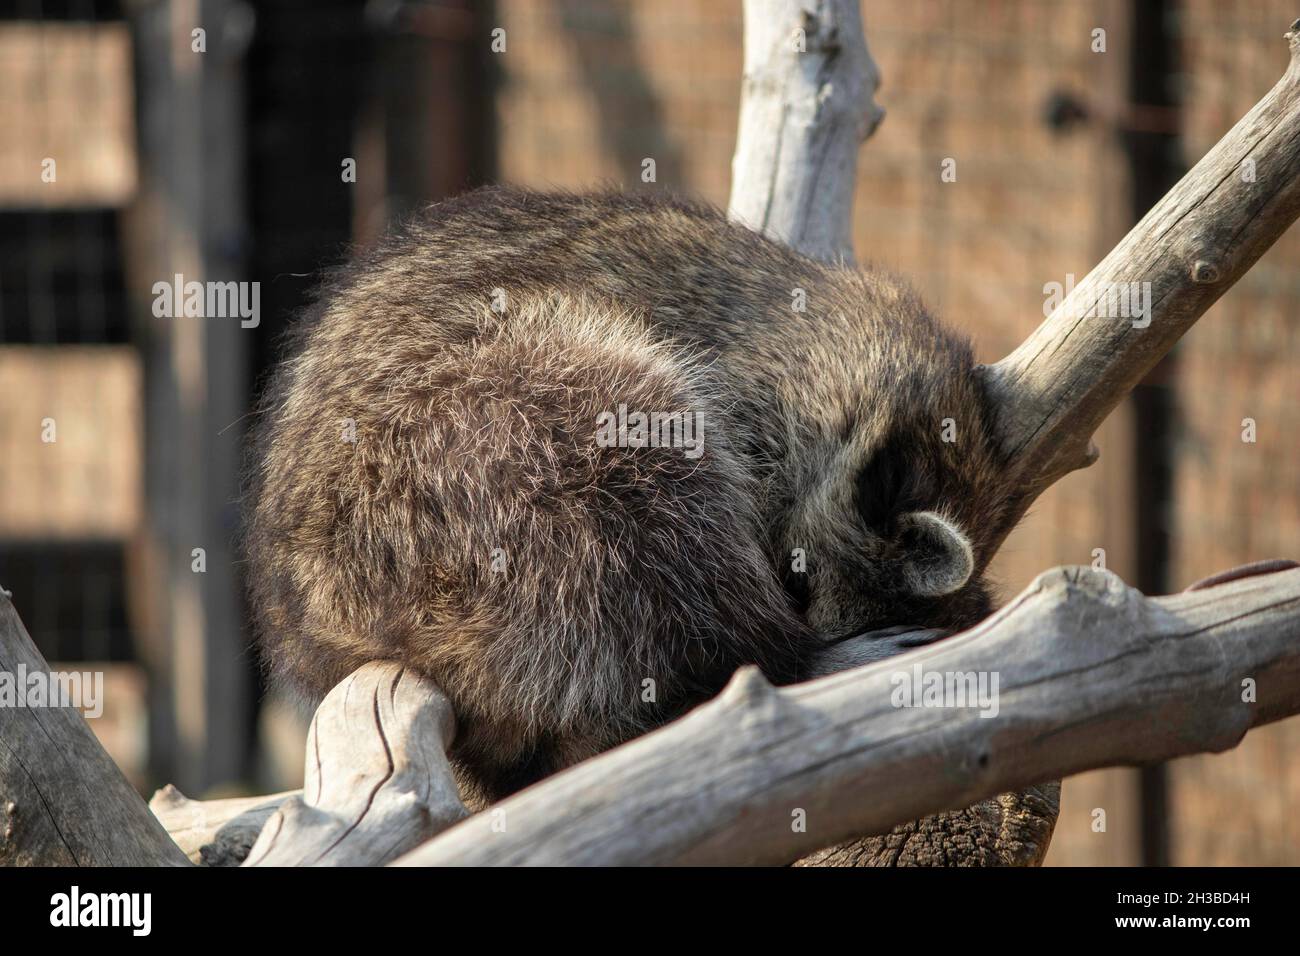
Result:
63,802
806,105
1054,391
1056,388
1089,674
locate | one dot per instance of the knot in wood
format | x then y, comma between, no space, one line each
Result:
826,36
1204,272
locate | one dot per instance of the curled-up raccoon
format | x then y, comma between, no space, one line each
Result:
576,458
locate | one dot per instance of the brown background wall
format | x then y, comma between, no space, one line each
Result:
589,89
1236,501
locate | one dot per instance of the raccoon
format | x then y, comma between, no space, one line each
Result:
451,470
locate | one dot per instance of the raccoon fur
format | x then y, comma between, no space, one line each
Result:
430,486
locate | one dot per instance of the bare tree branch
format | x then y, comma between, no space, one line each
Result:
377,781
215,832
63,802
806,105
1056,388
1089,674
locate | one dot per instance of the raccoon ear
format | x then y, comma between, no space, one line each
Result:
939,556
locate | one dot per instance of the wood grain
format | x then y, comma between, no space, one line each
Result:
377,780
63,802
803,115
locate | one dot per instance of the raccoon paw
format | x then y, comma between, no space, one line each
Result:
871,646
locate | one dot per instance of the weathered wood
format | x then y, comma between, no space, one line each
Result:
377,780
215,832
63,802
806,105
1090,673
1009,829
1055,389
